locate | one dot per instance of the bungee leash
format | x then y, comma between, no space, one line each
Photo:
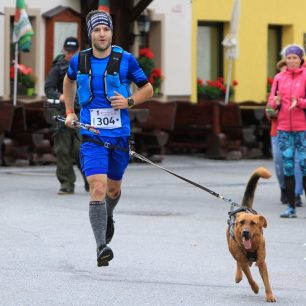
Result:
90,128
213,193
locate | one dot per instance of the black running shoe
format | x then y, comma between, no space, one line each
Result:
283,199
110,229
298,201
104,255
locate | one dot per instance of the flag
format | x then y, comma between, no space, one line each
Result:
103,5
22,30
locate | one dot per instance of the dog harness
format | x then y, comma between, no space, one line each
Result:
252,256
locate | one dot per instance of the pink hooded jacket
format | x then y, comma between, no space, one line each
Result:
289,84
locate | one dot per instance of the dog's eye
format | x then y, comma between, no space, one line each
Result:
241,222
253,223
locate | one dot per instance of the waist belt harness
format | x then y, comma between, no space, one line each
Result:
104,144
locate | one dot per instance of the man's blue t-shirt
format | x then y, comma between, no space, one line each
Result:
99,109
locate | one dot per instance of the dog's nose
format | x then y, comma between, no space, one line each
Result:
246,234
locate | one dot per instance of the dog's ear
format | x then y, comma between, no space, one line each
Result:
263,221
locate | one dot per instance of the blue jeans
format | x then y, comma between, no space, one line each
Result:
279,170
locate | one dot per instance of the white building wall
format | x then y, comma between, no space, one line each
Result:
176,45
31,4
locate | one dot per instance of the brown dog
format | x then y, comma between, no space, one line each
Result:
245,237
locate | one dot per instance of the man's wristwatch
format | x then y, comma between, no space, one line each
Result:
131,102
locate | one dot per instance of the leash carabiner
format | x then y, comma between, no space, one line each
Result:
77,124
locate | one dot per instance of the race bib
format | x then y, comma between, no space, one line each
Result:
105,118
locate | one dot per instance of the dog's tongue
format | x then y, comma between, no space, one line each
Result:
246,243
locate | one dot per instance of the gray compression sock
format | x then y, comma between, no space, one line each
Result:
97,217
111,204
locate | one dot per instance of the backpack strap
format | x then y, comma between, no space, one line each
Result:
113,65
84,62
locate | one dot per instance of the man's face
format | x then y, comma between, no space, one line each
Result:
101,37
69,54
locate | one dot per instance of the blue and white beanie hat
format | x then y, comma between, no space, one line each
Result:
98,19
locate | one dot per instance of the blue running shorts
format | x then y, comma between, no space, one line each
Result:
96,159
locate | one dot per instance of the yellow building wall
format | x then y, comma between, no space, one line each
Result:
250,68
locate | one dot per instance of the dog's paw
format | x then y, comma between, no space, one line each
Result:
238,278
255,288
270,298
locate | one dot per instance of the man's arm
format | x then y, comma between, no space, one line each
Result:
141,95
69,96
51,85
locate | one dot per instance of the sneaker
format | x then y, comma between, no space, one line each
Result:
298,201
64,191
289,213
110,229
104,255
283,198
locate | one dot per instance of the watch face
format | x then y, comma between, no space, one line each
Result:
130,102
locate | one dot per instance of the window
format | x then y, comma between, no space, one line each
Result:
210,50
274,48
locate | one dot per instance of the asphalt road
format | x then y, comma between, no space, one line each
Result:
169,244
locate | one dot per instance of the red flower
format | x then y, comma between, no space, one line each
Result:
156,79
269,83
156,73
146,52
21,69
200,82
214,89
270,80
12,72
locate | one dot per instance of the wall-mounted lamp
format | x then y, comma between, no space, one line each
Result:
143,23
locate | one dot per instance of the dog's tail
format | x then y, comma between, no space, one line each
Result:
252,184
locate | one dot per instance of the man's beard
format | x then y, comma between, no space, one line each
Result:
101,49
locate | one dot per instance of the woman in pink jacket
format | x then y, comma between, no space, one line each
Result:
290,101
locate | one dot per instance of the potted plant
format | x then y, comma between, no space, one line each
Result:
147,64
145,60
156,79
25,79
214,90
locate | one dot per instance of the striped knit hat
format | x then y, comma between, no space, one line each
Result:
98,19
